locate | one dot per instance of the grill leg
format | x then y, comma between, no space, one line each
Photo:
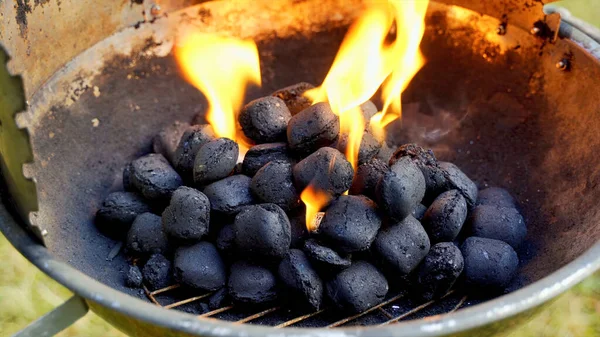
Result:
56,320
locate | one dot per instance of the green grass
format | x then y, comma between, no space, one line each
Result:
26,293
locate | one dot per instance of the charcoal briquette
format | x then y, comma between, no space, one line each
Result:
127,183
166,141
199,266
146,236
457,179
500,223
117,213
259,155
134,277
402,246
419,212
262,231
489,263
298,226
367,176
299,276
326,169
350,223
312,128
385,152
368,110
157,272
445,217
369,146
225,241
401,189
264,120
251,284
496,196
187,217
218,299
439,270
357,288
154,178
190,143
273,183
229,195
324,257
215,160
294,98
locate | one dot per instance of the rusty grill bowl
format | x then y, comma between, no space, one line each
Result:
496,104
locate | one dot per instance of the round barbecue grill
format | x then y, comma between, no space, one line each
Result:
509,93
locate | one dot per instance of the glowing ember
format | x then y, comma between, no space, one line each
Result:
221,68
314,200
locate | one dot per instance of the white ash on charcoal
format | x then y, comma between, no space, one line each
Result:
265,120
401,189
167,140
134,278
199,266
190,143
117,213
369,146
301,279
350,223
146,236
218,299
444,219
496,196
259,155
368,109
187,218
326,170
293,96
439,270
262,232
313,128
367,176
273,183
500,223
357,288
401,246
324,258
458,180
215,160
419,212
251,284
154,178
230,195
489,264
157,272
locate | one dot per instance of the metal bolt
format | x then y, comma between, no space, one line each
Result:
563,64
535,30
501,30
155,10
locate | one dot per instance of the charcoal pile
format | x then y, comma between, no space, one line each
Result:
192,215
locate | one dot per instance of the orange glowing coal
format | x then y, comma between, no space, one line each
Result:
221,68
314,199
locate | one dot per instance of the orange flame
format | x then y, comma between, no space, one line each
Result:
221,68
315,200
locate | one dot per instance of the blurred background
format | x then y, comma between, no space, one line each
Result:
26,293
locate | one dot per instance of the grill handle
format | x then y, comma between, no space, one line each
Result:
56,320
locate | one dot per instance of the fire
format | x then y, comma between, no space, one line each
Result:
314,199
221,68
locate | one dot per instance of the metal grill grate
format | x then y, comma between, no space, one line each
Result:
380,308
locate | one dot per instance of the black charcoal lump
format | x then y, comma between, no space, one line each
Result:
274,184
500,223
489,263
187,217
357,288
299,276
215,160
154,178
190,143
157,272
402,246
218,299
293,96
458,180
444,219
264,120
326,169
367,177
127,183
251,284
225,241
119,209
419,212
298,224
262,231
146,236
439,270
229,195
199,266
350,223
259,155
324,257
134,277
369,146
401,189
496,196
312,128
168,138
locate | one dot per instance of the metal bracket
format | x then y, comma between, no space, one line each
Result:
56,320
583,15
